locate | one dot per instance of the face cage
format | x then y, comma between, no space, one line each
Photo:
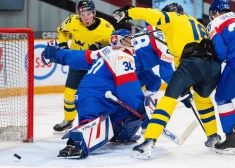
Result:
131,38
211,15
116,40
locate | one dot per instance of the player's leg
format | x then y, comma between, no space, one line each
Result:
73,79
206,112
180,81
125,127
87,137
203,101
188,74
224,94
94,129
152,83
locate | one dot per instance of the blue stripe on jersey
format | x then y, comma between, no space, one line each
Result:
167,19
195,33
201,112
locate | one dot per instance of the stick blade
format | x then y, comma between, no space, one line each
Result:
188,132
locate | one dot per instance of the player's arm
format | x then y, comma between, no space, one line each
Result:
219,43
63,33
151,16
166,64
76,59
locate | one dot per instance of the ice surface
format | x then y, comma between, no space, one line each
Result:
42,153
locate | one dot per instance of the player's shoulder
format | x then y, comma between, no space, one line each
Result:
71,19
106,50
105,23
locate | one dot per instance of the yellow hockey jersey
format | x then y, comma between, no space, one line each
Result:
82,38
178,29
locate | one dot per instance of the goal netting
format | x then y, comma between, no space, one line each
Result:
16,84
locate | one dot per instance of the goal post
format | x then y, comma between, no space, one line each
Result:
16,84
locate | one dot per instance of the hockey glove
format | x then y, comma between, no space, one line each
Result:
95,46
186,101
121,15
64,45
50,53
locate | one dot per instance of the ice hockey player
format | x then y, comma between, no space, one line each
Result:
88,32
221,32
153,64
110,68
196,66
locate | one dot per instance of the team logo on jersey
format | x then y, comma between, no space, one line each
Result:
106,51
107,25
167,58
114,40
79,42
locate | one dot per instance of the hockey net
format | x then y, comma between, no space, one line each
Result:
16,84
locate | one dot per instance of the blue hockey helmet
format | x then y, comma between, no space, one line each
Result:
173,7
85,5
217,6
118,35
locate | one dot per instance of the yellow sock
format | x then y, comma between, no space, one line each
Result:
160,117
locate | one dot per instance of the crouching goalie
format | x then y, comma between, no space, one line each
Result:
101,119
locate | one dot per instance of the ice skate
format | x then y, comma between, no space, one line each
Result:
71,152
63,127
228,146
212,140
144,150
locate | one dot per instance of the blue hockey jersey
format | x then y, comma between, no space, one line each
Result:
221,31
153,59
109,69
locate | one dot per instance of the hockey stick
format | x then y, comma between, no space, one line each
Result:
179,141
195,113
109,94
147,33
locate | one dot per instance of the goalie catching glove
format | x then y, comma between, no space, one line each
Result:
121,15
50,53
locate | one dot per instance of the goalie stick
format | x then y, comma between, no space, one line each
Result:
178,140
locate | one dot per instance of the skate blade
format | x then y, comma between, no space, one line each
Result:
60,132
229,151
70,156
145,155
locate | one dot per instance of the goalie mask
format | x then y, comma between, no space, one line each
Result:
122,38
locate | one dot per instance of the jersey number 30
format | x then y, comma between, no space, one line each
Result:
127,66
